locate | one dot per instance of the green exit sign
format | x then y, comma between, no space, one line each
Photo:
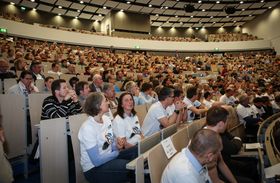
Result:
137,47
2,30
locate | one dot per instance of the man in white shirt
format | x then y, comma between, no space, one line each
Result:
157,116
189,165
190,100
246,115
228,97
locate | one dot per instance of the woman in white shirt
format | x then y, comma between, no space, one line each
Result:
126,124
101,158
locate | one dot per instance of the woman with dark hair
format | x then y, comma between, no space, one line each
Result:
126,125
101,159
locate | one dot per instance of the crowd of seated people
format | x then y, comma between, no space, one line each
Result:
219,37
223,37
250,82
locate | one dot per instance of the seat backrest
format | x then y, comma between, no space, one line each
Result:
264,125
75,123
140,112
180,139
148,142
238,131
195,126
139,170
232,119
53,151
157,161
168,131
40,84
8,83
14,122
268,144
35,101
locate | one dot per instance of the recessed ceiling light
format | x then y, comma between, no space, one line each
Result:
241,2
227,16
199,1
121,10
217,2
59,7
104,7
76,17
128,2
234,21
78,11
192,16
32,0
166,7
12,3
157,15
269,7
59,14
214,22
196,28
250,15
262,1
82,2
34,9
203,9
243,9
167,21
181,22
100,15
176,16
150,5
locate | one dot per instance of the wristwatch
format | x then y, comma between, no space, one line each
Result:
176,111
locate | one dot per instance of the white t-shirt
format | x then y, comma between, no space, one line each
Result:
91,134
170,109
151,122
257,111
227,100
126,127
189,104
243,112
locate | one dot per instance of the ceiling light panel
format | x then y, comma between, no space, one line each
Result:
71,13
103,11
156,2
111,4
98,2
218,6
123,6
163,18
59,11
43,7
156,23
142,1
135,8
28,4
146,10
77,6
49,1
90,9
169,12
85,15
180,4
169,3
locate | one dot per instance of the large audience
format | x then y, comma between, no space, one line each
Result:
178,89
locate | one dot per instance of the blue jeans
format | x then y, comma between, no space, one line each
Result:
113,171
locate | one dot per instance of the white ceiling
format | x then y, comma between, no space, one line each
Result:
167,13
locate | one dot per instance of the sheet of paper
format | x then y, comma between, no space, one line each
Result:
253,146
272,171
168,147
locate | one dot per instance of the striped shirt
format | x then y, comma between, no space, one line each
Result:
53,109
